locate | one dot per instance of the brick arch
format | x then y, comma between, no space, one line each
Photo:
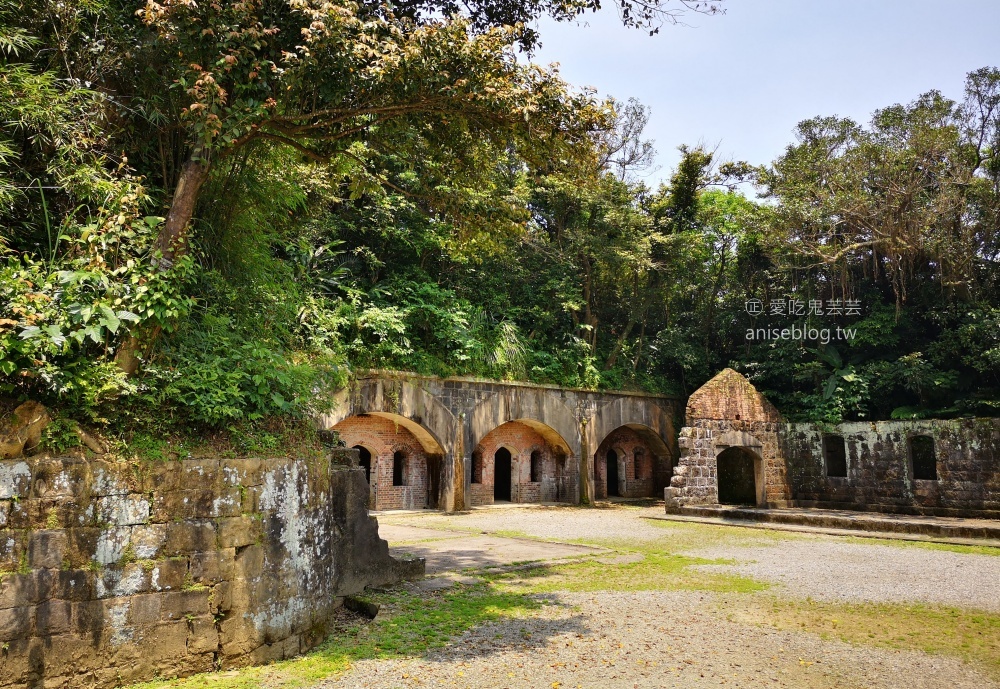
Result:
555,482
536,408
642,479
409,405
643,416
385,435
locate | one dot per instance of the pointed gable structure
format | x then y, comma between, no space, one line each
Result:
729,447
729,396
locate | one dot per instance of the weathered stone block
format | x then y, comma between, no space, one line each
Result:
145,610
202,474
107,479
222,596
204,568
46,549
235,532
203,636
60,478
163,477
123,510
182,504
53,617
127,581
241,472
16,622
168,574
74,585
82,546
188,537
227,503
238,636
112,544
176,605
147,540
15,479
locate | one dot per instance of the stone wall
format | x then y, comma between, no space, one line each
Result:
880,471
116,573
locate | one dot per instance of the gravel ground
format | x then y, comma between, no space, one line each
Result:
821,567
555,523
653,639
680,639
832,569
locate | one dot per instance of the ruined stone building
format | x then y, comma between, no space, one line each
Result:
198,564
458,443
453,444
736,449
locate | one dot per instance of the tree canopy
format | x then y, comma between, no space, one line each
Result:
210,211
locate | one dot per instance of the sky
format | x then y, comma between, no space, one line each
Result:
742,81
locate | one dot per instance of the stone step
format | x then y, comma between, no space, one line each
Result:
935,527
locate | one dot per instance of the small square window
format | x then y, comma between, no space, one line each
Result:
922,458
835,454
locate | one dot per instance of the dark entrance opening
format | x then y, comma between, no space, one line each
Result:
501,474
923,458
612,473
835,452
398,475
737,481
365,461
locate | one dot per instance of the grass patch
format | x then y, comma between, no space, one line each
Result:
653,572
510,533
928,545
967,634
408,625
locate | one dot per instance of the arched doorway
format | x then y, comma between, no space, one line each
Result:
612,474
501,474
640,457
365,461
737,472
402,460
521,461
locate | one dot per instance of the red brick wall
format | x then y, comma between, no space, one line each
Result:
555,484
635,466
383,438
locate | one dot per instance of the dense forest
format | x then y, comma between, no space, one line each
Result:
211,212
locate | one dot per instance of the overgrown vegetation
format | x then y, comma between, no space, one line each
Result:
209,227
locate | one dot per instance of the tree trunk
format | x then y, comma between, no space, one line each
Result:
170,243
172,240
619,344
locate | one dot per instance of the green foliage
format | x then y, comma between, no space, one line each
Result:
208,373
60,435
380,192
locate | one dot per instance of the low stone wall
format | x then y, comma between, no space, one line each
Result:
115,573
880,471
